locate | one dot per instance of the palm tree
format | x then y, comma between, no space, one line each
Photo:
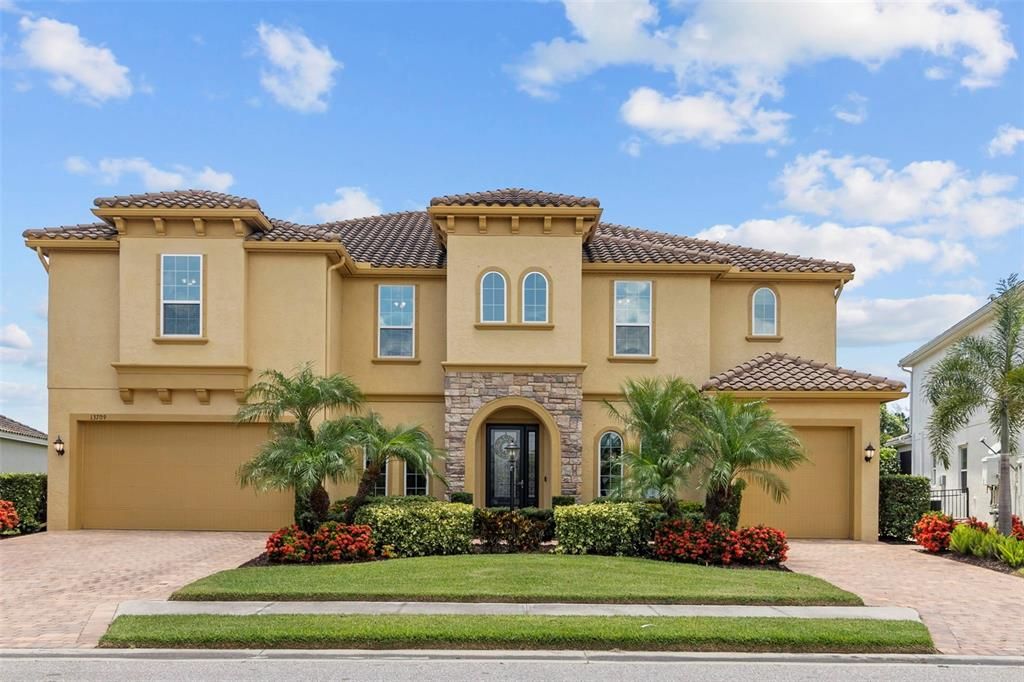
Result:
655,459
737,440
984,373
380,444
291,404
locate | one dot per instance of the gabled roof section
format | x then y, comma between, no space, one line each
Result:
514,196
185,198
16,428
635,249
782,372
95,231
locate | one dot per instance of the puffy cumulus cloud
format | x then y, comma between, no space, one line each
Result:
75,67
854,111
1006,140
728,57
872,249
881,321
936,197
14,337
110,171
299,75
352,202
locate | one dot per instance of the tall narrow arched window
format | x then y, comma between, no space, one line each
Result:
535,298
765,311
492,297
609,464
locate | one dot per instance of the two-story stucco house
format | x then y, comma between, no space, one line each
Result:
499,317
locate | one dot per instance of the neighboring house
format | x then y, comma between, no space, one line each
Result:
22,448
901,444
495,319
968,486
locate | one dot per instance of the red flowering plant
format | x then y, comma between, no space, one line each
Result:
701,542
975,524
289,545
9,518
762,545
932,531
335,541
1017,528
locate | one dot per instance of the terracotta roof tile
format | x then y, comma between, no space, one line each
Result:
285,231
186,198
88,231
513,196
634,249
8,425
782,372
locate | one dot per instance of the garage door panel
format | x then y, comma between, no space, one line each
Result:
174,476
819,503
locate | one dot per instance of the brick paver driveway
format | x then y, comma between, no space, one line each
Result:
969,610
60,589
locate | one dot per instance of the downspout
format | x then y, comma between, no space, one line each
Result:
839,289
42,259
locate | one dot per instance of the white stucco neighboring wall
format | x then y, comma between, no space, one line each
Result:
982,475
20,455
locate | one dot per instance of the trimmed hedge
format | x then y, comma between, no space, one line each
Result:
614,528
28,493
562,500
424,529
462,497
902,501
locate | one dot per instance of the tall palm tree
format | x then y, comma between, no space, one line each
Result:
380,444
291,404
984,373
655,459
736,440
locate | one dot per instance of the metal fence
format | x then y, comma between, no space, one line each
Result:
955,502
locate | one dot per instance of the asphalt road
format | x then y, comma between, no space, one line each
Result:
460,666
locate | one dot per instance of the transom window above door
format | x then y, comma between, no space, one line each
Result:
633,319
396,321
493,297
181,295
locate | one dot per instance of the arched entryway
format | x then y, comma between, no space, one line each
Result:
522,423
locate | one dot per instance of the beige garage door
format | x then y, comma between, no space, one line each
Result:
819,504
173,476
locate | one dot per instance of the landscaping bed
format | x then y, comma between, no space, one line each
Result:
981,562
517,578
519,632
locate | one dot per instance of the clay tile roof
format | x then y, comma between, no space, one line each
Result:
513,196
8,425
186,198
88,231
782,372
285,231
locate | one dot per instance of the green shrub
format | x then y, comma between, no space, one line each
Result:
964,539
987,545
888,462
462,497
340,507
545,517
1011,551
562,500
729,516
422,529
506,530
28,493
615,528
902,500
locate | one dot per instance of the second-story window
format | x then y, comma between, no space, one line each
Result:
492,297
535,298
764,311
181,295
632,318
396,320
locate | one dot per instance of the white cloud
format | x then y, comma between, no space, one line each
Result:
855,111
352,202
632,147
880,321
727,57
873,250
13,336
1006,140
76,67
110,171
936,196
936,73
300,74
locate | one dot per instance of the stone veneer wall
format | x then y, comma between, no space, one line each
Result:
561,394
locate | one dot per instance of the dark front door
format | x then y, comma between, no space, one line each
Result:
512,482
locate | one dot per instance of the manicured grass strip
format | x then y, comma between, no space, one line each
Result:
518,578
518,632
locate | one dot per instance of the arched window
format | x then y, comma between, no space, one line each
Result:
492,297
535,298
609,464
765,311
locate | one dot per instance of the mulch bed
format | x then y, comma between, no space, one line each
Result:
990,564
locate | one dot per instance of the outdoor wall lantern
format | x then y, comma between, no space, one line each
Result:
869,452
58,446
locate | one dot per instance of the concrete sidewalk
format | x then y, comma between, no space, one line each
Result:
264,608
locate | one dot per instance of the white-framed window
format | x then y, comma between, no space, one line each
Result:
963,467
416,482
396,321
493,288
380,485
535,298
181,295
632,318
609,452
764,309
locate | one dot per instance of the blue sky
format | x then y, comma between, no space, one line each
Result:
889,135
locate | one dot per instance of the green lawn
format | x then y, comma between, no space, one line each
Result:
517,578
519,632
